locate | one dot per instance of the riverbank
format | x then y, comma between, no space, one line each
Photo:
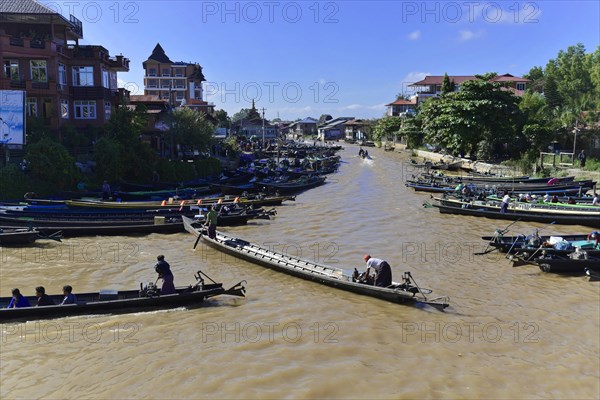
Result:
490,168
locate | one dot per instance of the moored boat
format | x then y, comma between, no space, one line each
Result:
406,292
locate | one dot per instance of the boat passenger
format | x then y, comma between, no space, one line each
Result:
546,197
595,200
106,192
42,298
164,272
505,202
69,297
211,222
18,300
554,199
383,272
571,201
594,235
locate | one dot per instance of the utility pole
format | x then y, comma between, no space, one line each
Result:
172,145
263,127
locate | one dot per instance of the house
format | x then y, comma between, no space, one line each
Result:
179,83
158,121
431,86
400,106
304,127
357,129
63,81
334,129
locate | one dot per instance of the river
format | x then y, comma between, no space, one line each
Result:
510,332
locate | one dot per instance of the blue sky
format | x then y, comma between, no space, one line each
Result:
344,58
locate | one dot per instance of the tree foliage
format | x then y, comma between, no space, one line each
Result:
386,128
191,129
480,112
50,161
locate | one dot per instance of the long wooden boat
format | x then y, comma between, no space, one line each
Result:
292,187
507,244
147,298
477,211
520,207
18,236
567,265
154,205
406,292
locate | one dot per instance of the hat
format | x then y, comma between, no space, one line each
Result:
366,257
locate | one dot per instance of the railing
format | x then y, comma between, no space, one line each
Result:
15,41
554,159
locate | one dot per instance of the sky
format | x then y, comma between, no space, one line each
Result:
344,58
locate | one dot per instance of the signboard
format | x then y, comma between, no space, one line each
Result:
12,117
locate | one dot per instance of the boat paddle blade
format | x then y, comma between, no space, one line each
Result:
197,240
237,290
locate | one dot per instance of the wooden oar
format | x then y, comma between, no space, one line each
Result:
197,240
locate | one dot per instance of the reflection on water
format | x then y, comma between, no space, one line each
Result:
510,332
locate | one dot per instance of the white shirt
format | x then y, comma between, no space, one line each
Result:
506,199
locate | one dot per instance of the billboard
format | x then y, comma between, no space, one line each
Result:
12,117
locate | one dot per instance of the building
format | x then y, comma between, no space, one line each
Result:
303,128
64,82
334,129
179,83
431,86
254,126
400,106
357,129
156,132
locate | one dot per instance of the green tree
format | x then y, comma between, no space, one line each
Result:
386,128
49,161
481,112
108,154
572,73
447,85
536,76
223,119
240,115
192,130
412,131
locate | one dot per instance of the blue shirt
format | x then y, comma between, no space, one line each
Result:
69,299
21,302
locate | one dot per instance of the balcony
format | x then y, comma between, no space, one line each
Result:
17,84
15,41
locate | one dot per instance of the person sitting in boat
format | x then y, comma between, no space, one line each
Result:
366,154
42,298
69,296
594,235
164,272
554,199
546,197
383,272
361,152
106,192
466,191
595,200
18,300
571,200
211,222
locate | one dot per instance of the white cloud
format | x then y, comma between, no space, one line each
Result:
415,35
465,35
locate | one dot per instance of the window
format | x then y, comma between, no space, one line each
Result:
166,72
32,109
83,76
11,69
596,143
152,72
113,80
178,71
38,71
107,110
85,109
180,84
165,84
180,95
520,86
152,83
105,79
64,108
62,75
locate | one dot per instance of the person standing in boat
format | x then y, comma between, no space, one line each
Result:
505,203
18,300
211,222
383,272
582,157
164,272
42,298
106,192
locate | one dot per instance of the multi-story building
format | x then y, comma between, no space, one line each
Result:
64,82
179,83
431,86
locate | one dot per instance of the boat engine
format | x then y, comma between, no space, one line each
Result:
150,290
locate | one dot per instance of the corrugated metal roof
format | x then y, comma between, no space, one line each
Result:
24,7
